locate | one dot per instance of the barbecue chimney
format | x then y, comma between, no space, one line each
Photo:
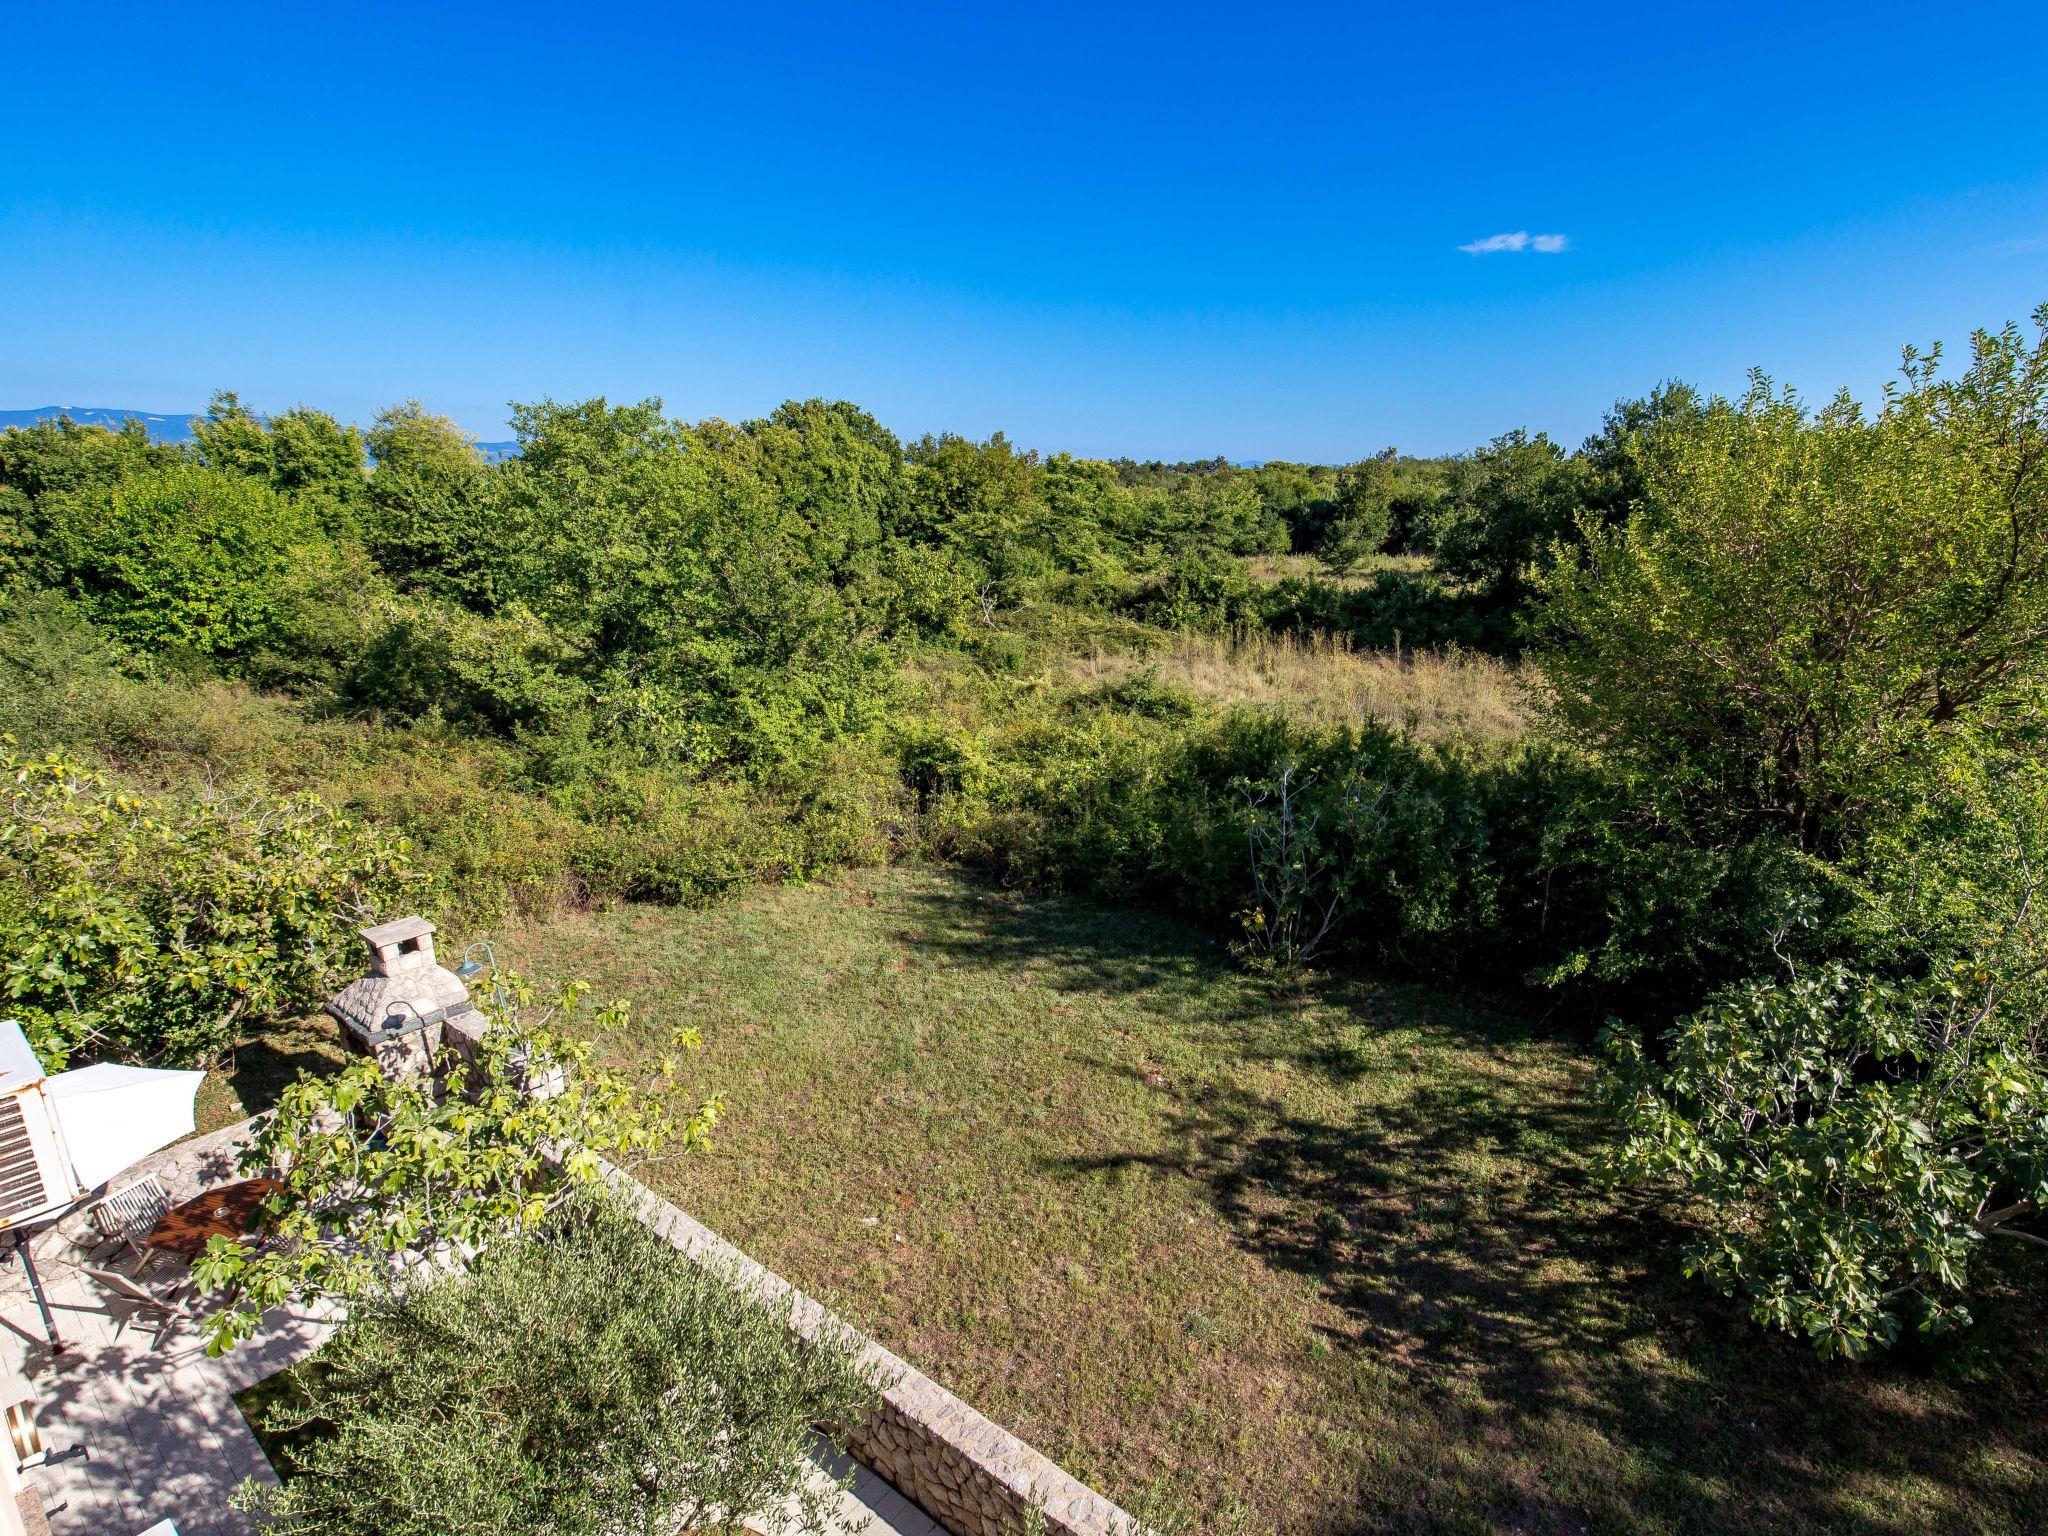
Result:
401,1011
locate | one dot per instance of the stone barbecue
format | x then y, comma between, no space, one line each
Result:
409,1004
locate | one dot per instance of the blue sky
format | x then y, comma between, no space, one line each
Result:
1168,231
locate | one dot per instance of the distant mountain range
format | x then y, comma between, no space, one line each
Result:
167,426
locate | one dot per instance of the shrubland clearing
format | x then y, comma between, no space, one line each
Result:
1322,1258
1710,750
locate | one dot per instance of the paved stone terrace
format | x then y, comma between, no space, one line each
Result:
142,1427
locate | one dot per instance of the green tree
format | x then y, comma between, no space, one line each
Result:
231,438
1616,457
185,556
304,454
427,521
1302,496
371,1167
983,500
677,566
1854,1133
57,457
1522,497
838,472
316,457
1806,610
143,927
584,1379
1364,514
1218,508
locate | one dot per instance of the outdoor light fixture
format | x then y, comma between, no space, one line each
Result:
471,967
23,1438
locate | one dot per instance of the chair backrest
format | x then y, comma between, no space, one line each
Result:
128,1290
132,1210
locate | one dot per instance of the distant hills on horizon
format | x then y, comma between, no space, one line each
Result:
176,426
166,426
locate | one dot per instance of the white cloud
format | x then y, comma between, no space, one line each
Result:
1519,240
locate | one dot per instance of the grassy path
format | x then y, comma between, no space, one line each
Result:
1327,1262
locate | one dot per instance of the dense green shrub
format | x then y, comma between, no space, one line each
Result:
139,927
501,672
1819,643
1858,1128
583,1379
1393,610
185,557
655,836
1202,589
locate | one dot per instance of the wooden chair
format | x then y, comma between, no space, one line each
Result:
127,1214
163,1311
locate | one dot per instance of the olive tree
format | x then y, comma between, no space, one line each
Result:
581,1379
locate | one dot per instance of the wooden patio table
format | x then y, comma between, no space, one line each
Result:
228,1210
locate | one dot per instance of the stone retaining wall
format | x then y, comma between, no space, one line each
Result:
972,1476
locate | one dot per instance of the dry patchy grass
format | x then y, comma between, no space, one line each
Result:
1325,1261
1462,696
1271,568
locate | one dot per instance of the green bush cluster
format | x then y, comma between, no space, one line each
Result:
1784,653
153,928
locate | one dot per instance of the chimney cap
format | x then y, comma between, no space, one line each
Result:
384,935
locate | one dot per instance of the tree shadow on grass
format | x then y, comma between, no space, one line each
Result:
1551,1366
265,1065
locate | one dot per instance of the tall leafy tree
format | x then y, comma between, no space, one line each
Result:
1364,514
427,496
303,453
1806,609
57,457
186,556
839,471
1522,496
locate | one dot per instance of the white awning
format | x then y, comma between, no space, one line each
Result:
18,1064
112,1116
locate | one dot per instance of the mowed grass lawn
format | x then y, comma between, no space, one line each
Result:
1325,1261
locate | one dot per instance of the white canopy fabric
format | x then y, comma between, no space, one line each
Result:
112,1116
18,1062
